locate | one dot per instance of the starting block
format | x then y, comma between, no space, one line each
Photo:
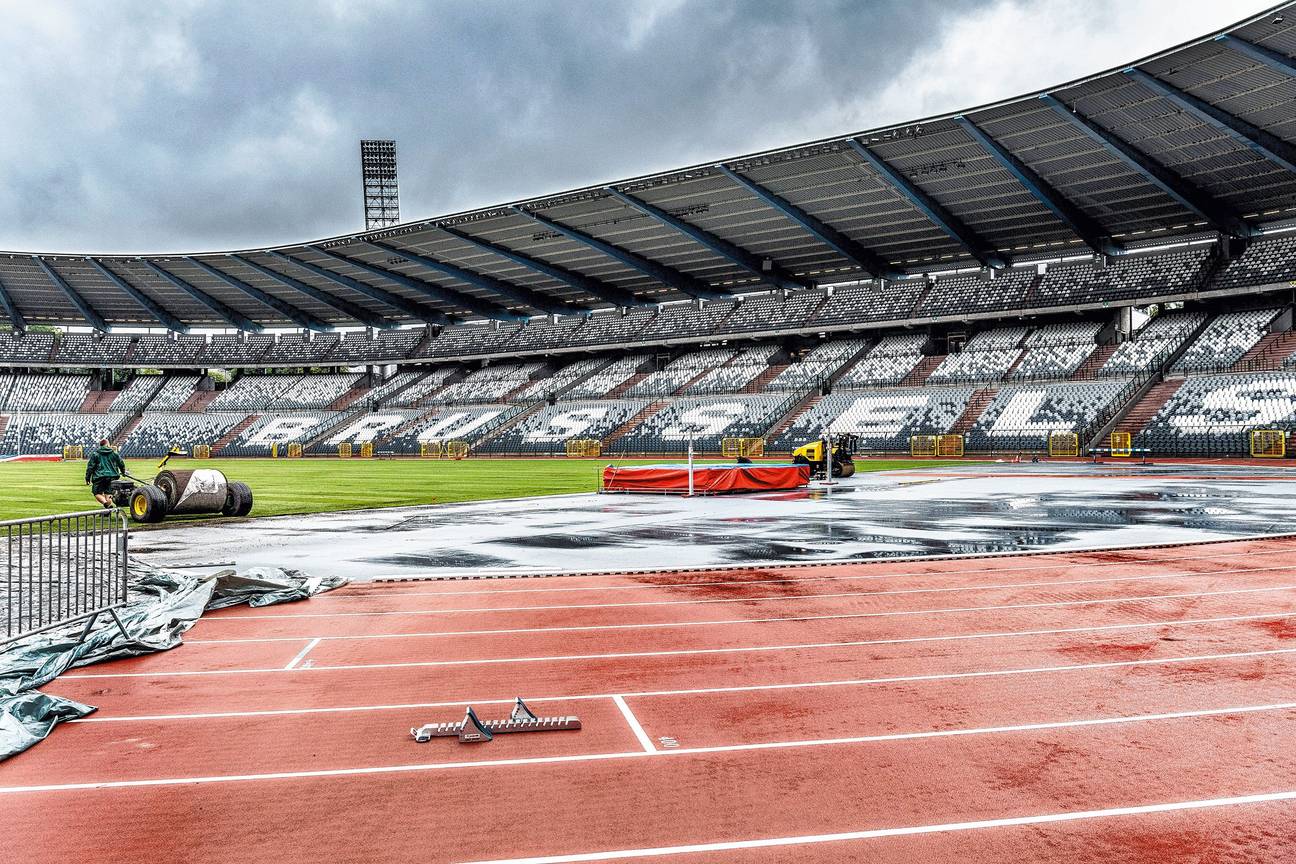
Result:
473,730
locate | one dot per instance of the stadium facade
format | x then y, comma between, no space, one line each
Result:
975,274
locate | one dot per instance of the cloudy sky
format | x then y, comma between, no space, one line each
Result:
194,125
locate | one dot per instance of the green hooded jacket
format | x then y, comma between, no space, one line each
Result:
104,464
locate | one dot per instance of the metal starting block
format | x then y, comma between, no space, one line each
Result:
473,730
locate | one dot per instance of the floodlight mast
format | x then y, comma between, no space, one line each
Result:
378,179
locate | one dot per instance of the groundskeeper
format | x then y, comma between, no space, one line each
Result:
102,468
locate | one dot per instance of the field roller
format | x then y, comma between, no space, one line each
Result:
181,492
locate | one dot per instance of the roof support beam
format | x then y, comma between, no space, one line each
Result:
15,317
358,313
165,318
382,295
1266,144
668,276
292,313
835,240
228,315
602,290
516,293
932,209
764,268
1215,213
429,290
1080,223
87,311
1269,57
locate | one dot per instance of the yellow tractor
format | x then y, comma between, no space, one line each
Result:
843,456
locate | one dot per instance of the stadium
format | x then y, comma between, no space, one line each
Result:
1002,403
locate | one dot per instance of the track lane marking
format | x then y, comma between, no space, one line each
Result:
736,688
893,613
301,655
728,621
633,722
872,833
771,598
655,753
331,595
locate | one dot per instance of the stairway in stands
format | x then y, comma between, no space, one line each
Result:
920,373
123,433
791,416
1267,354
97,401
1147,407
976,406
1088,370
627,384
761,381
233,433
617,433
347,399
198,402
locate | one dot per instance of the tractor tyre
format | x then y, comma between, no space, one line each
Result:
847,469
233,499
244,492
148,504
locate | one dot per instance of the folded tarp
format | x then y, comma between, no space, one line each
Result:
171,605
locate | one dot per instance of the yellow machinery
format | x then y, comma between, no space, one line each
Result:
733,448
1120,444
584,448
1268,443
1063,444
843,456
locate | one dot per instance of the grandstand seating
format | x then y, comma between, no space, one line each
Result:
24,348
460,422
887,362
549,387
48,432
386,345
606,379
1124,278
164,351
1213,414
1160,338
1225,340
44,392
1050,361
954,295
883,419
680,371
1023,416
817,365
158,431
868,303
736,374
137,393
294,349
773,312
252,393
230,349
421,387
708,420
370,426
1267,261
989,364
312,391
680,320
75,349
279,428
174,392
549,429
488,384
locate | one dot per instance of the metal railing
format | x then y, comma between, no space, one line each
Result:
62,569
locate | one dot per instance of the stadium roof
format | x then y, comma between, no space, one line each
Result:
1199,138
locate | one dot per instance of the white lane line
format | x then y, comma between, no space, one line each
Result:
657,754
417,663
394,591
770,598
730,621
633,722
301,655
737,688
873,833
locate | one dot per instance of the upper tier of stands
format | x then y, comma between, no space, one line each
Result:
1083,283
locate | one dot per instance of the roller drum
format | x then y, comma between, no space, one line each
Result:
199,490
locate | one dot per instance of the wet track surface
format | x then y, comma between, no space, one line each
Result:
975,509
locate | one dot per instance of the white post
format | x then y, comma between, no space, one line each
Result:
828,462
690,464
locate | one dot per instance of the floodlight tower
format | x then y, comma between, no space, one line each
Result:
378,174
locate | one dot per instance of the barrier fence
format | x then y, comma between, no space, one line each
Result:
584,448
62,569
734,448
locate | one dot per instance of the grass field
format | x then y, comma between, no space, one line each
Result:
315,485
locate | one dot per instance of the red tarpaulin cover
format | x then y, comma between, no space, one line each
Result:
707,479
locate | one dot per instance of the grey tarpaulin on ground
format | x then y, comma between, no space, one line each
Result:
171,605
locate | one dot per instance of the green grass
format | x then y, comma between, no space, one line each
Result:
316,485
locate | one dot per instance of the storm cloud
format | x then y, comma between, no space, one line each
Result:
138,126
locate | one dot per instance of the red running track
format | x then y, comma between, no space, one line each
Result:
1101,707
